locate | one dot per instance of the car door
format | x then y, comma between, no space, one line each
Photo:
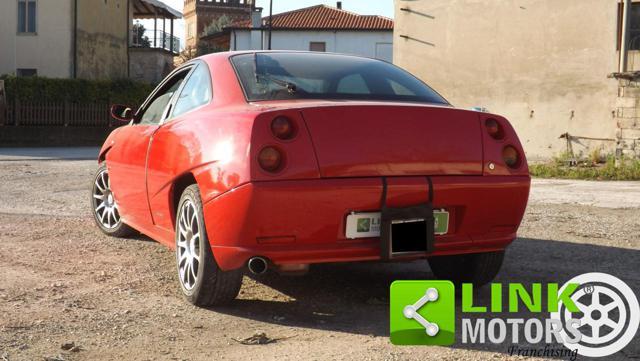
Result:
126,160
166,159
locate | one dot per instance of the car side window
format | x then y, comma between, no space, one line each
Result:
196,91
353,84
400,89
154,112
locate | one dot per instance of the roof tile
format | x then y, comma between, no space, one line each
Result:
323,17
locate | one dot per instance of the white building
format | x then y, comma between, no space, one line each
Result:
316,28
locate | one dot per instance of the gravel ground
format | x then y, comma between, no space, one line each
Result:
62,281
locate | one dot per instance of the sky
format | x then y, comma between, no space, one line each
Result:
364,7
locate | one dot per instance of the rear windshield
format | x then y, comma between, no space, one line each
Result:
279,76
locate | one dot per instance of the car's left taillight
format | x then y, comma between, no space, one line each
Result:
271,159
282,148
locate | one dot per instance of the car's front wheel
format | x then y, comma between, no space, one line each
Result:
476,268
202,281
104,206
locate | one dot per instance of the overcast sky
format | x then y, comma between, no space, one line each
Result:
364,7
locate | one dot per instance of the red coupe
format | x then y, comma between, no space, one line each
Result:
285,159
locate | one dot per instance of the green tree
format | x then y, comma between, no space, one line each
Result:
139,39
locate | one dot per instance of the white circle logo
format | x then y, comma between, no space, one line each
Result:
609,314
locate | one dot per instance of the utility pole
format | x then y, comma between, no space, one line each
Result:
624,41
270,22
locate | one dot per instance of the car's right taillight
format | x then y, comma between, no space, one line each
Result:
494,129
511,157
502,151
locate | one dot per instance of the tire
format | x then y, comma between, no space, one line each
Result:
476,268
201,280
104,206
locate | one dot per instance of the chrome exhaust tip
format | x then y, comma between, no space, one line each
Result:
257,265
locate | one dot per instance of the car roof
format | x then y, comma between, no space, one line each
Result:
228,54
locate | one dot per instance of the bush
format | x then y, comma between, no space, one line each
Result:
612,169
37,89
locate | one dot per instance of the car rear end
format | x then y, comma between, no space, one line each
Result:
322,171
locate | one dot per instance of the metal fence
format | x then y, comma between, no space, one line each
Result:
155,39
56,114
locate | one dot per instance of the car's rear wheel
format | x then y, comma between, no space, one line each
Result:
476,268
105,207
201,279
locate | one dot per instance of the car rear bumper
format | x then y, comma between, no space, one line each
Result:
303,221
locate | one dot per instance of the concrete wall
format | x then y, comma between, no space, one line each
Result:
149,65
374,44
49,50
102,34
541,63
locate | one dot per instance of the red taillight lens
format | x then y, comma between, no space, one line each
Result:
283,128
494,129
511,157
270,159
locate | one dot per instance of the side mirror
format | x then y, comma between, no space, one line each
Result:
480,109
123,113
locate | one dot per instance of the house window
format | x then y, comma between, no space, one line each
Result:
27,16
190,30
23,73
634,27
318,46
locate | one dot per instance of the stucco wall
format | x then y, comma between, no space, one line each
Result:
350,42
49,50
541,63
102,39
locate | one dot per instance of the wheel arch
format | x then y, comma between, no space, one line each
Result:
177,188
103,154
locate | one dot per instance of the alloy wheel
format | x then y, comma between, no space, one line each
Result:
188,245
104,202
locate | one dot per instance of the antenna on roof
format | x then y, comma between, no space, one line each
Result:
270,21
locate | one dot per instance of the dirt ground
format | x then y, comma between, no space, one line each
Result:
62,281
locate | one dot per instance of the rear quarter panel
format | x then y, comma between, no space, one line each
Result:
210,142
212,146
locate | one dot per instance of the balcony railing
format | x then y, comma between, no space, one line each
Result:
154,39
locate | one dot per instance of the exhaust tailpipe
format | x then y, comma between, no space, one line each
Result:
257,265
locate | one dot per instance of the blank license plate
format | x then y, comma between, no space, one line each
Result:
367,224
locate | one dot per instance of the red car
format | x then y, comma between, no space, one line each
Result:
285,159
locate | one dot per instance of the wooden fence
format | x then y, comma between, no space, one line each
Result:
56,114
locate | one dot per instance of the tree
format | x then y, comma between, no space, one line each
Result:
205,48
216,26
139,39
187,54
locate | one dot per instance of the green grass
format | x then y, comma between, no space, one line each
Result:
622,169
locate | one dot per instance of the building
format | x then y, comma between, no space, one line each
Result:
315,28
152,52
89,39
552,67
199,14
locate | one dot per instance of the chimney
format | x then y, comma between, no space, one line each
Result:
339,5
256,18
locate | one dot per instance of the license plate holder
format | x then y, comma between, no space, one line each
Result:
367,224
